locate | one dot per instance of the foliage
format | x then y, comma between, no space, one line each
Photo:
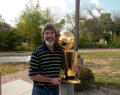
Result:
30,24
115,42
9,40
24,48
92,30
86,77
84,41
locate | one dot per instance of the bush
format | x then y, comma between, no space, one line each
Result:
9,40
24,48
86,77
115,43
101,45
84,43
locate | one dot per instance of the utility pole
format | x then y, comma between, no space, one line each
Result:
0,84
77,24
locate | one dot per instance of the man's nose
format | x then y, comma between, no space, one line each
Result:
49,34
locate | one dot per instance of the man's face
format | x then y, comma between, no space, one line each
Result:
49,37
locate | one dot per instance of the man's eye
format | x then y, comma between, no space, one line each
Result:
46,33
52,32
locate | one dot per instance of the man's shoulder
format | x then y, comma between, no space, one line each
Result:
38,49
58,47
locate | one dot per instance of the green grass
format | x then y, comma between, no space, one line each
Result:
107,80
10,68
107,73
101,54
15,55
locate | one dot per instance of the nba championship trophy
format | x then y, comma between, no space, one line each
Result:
66,41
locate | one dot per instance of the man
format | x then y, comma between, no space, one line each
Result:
45,64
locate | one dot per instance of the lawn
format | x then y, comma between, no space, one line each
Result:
10,68
15,55
105,66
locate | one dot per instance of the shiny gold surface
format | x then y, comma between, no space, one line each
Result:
71,81
75,57
70,72
66,40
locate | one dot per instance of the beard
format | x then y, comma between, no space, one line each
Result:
50,43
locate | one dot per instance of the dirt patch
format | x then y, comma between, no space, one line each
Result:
99,61
101,65
19,75
104,69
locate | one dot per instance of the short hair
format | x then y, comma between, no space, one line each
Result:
49,26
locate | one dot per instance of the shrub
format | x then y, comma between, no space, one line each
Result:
101,45
115,43
9,40
24,48
86,77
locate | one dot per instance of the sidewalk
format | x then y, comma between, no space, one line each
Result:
14,52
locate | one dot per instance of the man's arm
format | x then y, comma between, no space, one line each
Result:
34,71
41,78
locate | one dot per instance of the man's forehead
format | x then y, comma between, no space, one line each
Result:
48,30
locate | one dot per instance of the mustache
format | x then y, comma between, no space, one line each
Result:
50,38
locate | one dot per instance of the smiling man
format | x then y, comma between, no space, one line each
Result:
45,64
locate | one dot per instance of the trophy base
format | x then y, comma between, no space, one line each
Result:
70,79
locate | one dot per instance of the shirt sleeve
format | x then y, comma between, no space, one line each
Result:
34,64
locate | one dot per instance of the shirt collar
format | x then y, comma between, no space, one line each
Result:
46,48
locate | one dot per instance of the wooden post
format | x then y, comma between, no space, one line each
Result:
77,25
0,85
76,34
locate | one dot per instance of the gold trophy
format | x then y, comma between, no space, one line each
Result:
66,41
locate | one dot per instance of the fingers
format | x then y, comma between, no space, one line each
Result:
75,68
56,81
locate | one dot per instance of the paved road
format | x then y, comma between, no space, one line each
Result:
89,50
15,52
80,50
15,59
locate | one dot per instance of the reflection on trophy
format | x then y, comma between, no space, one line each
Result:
66,41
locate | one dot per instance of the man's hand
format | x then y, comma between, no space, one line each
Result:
75,68
55,81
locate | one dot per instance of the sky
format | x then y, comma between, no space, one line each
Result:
10,10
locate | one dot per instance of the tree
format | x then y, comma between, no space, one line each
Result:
9,40
116,21
60,25
70,22
3,25
106,26
30,24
